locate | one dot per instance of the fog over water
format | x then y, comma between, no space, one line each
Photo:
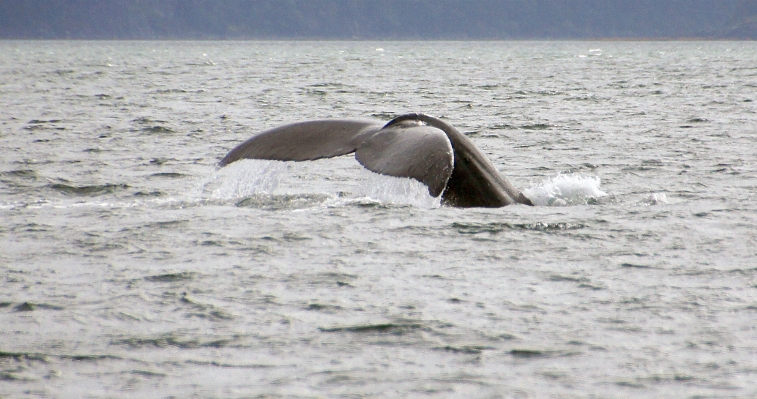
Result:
132,266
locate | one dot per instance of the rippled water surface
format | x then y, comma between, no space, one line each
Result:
133,267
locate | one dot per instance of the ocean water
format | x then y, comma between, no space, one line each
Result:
131,266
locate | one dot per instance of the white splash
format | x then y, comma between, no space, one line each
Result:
655,199
563,190
244,178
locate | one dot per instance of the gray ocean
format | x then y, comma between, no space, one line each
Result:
131,266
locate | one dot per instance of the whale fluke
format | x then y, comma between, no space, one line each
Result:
416,146
410,150
305,141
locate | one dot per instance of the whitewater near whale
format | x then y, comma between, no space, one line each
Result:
415,146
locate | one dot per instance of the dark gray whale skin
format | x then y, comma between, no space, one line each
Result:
417,146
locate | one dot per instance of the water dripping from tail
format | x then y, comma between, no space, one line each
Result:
397,190
244,178
256,182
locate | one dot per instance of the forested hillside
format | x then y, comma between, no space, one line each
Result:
378,19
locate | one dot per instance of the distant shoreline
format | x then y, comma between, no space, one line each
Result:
309,39
379,20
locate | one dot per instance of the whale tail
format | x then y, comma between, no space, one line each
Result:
415,146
